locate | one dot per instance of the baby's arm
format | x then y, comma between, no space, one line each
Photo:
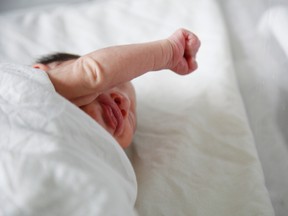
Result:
123,63
108,67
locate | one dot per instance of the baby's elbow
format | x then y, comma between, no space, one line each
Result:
90,72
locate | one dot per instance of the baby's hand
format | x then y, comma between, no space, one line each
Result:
185,45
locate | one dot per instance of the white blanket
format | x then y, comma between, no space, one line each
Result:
55,160
193,153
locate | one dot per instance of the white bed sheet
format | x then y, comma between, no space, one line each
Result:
258,31
193,152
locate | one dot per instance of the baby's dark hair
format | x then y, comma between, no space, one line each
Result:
56,57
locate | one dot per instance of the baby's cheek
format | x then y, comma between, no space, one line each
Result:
92,110
95,113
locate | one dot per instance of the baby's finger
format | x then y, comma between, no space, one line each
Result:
192,64
192,45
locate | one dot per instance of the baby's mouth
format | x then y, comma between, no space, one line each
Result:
113,117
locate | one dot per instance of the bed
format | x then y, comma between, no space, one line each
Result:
203,140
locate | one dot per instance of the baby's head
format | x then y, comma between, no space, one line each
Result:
114,109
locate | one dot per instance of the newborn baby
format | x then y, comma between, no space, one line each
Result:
99,82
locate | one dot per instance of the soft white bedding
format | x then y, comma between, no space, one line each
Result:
258,32
55,160
193,153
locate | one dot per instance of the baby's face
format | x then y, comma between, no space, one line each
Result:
115,110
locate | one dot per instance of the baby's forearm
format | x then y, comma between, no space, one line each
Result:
113,65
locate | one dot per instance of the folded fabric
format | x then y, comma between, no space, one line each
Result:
274,22
54,159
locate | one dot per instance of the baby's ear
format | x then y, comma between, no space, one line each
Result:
41,66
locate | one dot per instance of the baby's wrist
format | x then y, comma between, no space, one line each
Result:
167,53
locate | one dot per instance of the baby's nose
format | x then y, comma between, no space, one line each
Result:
122,102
